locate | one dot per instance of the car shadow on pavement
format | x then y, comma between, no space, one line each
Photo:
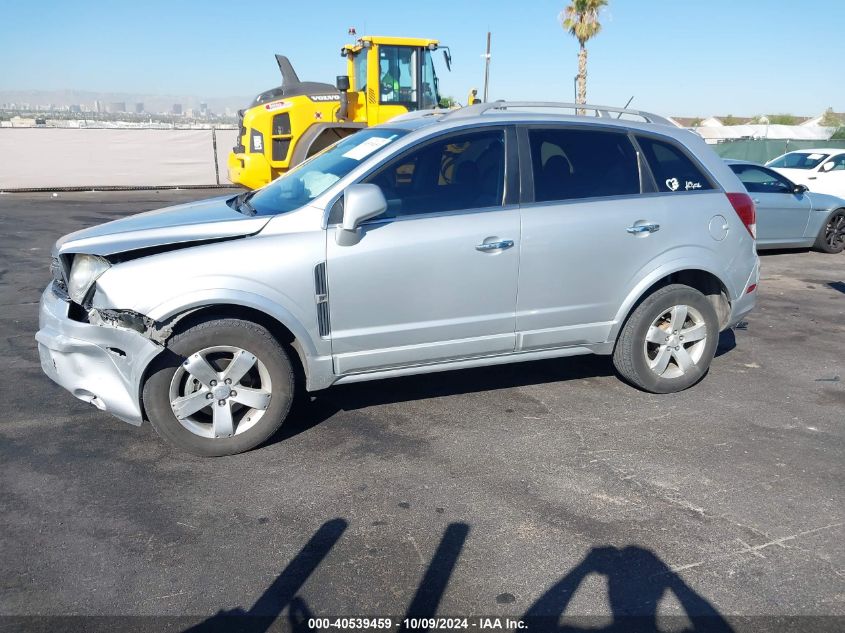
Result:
837,285
637,580
782,251
310,410
727,341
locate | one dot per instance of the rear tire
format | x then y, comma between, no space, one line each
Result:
200,399
668,341
831,238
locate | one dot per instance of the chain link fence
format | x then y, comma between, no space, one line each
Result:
764,150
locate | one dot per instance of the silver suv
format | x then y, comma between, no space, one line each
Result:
496,233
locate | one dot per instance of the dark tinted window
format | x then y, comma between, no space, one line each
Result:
759,180
671,167
464,171
572,163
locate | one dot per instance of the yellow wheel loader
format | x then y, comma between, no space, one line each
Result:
386,77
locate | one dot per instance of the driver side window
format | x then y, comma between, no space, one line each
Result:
757,180
458,172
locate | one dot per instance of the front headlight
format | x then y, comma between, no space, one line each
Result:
84,271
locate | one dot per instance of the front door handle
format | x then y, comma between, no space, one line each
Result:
639,229
494,246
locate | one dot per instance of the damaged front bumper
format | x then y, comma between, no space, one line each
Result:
100,364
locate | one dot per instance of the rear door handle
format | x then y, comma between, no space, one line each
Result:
494,246
639,229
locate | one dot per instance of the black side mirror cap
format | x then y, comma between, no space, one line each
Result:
798,189
342,83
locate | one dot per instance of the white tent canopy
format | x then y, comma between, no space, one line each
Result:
761,131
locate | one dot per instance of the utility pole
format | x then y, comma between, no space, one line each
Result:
487,67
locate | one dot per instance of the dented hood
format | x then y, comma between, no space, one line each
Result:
196,221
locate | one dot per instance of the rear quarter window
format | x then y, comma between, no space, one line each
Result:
673,170
569,164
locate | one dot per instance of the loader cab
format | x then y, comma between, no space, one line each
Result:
390,76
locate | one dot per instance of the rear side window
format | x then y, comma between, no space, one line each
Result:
575,163
672,169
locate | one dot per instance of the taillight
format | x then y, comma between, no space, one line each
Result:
744,207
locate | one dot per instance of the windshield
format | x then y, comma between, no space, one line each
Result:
798,160
308,180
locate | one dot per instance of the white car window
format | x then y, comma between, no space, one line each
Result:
798,160
838,163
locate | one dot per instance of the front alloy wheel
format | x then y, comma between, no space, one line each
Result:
220,391
223,386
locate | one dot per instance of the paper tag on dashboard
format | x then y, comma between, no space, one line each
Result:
366,148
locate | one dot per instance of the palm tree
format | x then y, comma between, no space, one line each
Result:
581,20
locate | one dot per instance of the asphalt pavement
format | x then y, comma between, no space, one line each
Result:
546,487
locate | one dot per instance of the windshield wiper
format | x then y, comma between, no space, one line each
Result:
241,203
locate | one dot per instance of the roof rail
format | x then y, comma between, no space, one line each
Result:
601,111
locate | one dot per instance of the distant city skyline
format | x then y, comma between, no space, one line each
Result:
679,58
128,101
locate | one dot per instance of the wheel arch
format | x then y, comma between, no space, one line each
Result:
312,363
281,332
705,281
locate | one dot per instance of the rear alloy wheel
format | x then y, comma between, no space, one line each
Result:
668,341
675,341
832,237
222,387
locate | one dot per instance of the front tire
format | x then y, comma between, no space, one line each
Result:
668,341
831,238
222,387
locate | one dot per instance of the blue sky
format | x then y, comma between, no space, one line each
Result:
679,57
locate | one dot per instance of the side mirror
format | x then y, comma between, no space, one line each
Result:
827,166
342,83
360,203
799,189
